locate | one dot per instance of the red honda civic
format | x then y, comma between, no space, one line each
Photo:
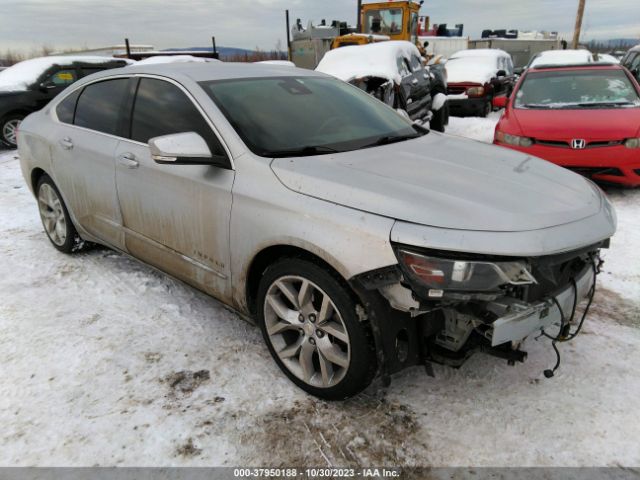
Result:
583,117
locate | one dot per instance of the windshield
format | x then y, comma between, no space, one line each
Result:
577,89
386,21
292,116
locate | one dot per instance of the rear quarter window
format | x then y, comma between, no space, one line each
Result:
66,108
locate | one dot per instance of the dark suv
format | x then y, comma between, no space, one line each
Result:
30,85
631,60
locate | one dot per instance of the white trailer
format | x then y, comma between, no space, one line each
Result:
445,46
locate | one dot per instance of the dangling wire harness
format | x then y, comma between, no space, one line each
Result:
565,334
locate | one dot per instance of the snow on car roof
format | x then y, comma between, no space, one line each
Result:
282,63
562,57
21,75
474,66
606,58
371,60
173,59
480,53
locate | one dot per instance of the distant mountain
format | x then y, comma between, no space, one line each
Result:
613,43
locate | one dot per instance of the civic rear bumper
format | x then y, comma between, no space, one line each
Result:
617,164
521,319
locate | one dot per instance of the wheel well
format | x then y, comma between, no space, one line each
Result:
16,112
36,174
269,256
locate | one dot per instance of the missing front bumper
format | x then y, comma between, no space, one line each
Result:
518,320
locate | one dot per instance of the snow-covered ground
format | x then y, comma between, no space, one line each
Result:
108,362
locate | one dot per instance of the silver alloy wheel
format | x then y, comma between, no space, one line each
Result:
306,331
10,130
52,214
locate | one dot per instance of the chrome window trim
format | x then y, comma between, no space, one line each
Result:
54,113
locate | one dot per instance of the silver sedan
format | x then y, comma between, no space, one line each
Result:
359,242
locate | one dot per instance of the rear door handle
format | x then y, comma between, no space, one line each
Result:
128,160
66,143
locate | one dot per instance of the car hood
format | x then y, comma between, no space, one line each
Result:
588,124
448,182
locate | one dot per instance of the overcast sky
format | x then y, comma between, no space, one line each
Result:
29,24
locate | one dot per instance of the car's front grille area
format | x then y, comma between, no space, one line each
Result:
591,171
567,143
459,88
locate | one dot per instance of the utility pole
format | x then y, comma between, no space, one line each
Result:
578,27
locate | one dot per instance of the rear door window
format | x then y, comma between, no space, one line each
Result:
162,108
99,105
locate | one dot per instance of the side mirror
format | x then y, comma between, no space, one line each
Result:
187,148
46,86
500,102
501,73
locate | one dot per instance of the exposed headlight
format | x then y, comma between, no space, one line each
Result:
632,143
475,91
515,140
467,275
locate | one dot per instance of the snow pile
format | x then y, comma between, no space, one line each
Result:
371,60
476,128
158,59
562,57
23,74
474,66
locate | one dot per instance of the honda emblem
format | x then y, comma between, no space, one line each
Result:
578,143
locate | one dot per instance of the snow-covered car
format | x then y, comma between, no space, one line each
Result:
631,61
28,86
475,77
561,57
606,58
361,243
156,59
393,72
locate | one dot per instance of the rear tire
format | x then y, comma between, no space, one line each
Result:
309,322
9,129
55,217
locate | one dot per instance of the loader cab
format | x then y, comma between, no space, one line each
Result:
397,20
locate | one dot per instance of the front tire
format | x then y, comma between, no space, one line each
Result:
55,217
440,118
309,322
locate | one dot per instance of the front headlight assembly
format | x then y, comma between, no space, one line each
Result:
442,274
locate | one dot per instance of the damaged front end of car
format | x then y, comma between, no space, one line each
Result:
441,307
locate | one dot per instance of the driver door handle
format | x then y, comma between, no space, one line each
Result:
128,160
66,143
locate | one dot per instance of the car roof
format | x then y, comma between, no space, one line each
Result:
577,66
207,71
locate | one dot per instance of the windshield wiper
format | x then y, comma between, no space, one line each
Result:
305,151
537,105
387,139
604,104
